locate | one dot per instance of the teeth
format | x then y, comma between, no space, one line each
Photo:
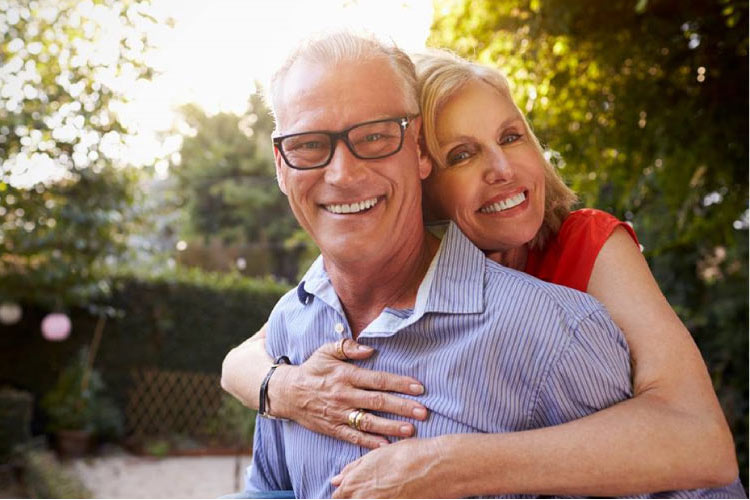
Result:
504,204
352,208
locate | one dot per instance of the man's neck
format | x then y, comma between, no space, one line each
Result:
366,288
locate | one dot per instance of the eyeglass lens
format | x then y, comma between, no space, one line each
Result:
369,140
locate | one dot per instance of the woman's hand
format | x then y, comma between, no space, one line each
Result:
320,394
413,468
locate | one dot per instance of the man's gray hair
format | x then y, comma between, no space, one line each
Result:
334,47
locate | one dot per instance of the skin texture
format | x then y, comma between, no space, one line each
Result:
671,435
489,158
379,246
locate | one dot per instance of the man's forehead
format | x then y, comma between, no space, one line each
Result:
346,89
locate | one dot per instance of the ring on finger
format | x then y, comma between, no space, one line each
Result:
340,349
355,419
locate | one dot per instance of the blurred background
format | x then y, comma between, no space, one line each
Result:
142,234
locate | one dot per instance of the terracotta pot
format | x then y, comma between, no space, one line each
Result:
73,443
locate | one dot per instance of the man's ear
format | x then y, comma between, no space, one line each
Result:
278,161
425,162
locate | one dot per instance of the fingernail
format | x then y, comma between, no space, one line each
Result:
416,388
336,479
384,443
363,348
405,430
419,412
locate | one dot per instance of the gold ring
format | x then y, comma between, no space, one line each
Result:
355,418
358,420
340,349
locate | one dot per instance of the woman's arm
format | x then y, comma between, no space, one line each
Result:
320,393
671,435
244,368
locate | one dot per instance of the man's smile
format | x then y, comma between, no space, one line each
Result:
352,208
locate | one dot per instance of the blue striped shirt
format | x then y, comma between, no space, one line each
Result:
497,351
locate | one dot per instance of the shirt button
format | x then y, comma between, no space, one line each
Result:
339,328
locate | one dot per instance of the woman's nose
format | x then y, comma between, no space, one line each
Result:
498,167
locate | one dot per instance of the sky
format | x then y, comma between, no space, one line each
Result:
213,56
219,49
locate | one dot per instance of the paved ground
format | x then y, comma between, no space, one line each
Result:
121,475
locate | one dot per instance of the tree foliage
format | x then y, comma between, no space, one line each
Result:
66,192
227,181
643,105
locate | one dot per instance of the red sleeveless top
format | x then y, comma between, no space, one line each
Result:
568,258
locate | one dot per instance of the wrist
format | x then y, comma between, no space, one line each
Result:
462,474
277,391
449,455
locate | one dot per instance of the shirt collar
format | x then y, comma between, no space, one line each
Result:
458,286
454,283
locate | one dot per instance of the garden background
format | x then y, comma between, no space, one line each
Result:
170,259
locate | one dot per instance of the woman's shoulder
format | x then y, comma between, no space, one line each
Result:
590,227
568,258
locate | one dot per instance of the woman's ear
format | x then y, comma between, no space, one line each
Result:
425,162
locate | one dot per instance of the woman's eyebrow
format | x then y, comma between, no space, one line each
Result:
465,138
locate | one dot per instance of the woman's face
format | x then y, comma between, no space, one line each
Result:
493,183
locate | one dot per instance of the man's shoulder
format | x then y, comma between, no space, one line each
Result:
288,302
567,303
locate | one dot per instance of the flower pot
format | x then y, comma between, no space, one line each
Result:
73,443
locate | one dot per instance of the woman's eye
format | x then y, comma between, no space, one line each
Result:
458,156
509,138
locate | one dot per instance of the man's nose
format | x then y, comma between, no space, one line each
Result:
344,168
498,167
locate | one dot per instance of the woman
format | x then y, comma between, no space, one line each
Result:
492,179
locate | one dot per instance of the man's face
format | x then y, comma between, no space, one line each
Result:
355,210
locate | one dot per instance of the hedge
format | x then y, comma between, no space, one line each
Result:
184,320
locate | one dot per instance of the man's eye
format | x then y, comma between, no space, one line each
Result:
509,138
309,145
373,137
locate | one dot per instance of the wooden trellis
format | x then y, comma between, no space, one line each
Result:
169,402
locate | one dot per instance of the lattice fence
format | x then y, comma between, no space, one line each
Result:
165,402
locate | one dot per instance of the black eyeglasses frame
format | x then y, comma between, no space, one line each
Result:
342,135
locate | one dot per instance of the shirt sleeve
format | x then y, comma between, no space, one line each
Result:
268,471
591,373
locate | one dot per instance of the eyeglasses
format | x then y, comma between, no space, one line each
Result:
367,141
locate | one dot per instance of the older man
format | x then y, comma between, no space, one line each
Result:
499,350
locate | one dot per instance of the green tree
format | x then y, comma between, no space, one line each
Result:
227,182
66,191
643,105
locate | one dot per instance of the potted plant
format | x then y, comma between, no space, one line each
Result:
78,409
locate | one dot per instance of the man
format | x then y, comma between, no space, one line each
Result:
499,350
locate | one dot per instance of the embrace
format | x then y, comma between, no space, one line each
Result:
506,347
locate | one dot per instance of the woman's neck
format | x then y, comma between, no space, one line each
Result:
515,258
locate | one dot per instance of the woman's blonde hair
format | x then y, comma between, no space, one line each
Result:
440,75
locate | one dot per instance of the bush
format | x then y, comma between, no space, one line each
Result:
182,320
71,406
15,419
45,477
